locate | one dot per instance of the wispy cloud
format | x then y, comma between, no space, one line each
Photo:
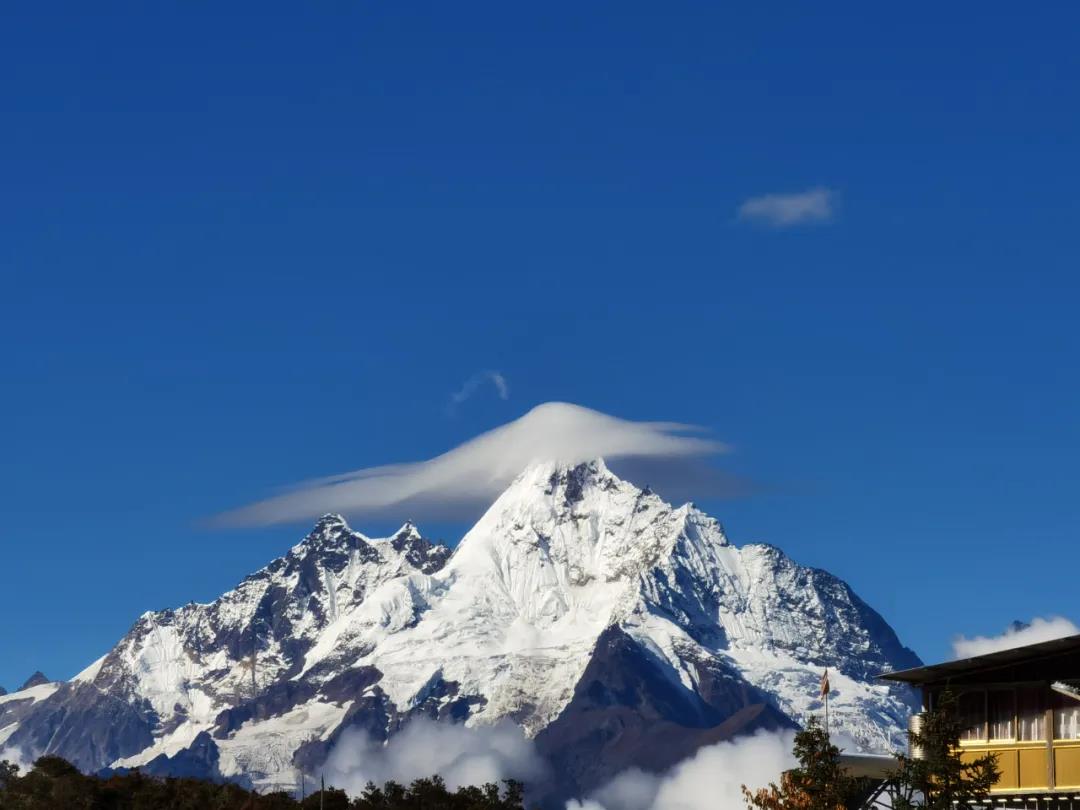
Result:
814,205
1018,635
474,382
455,484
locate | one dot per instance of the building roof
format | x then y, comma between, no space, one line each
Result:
1002,658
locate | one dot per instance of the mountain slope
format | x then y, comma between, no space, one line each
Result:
178,673
590,612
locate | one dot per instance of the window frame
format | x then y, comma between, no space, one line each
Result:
985,737
1058,702
1014,720
1046,702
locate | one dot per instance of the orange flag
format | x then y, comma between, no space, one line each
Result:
825,684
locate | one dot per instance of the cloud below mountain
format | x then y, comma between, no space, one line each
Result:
711,779
16,757
1018,635
461,756
457,483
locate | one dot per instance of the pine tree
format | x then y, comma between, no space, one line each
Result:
819,783
939,779
8,772
54,784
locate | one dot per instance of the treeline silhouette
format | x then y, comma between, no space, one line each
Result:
55,784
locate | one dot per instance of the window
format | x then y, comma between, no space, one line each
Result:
1066,718
973,715
1031,714
1002,704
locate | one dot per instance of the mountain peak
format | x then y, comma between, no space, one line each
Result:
593,466
571,477
37,679
408,529
566,525
407,535
329,522
332,531
423,555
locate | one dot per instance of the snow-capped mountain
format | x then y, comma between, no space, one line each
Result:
613,628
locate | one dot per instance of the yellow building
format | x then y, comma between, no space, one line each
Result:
1022,704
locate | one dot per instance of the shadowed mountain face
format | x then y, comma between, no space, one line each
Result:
628,712
613,628
37,679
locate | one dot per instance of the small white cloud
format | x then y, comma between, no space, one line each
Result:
1017,636
785,210
475,381
471,475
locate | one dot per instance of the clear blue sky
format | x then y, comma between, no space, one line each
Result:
245,244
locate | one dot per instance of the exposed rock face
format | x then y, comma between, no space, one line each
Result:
37,679
627,711
613,628
85,725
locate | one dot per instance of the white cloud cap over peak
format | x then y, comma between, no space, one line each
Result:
814,205
1018,635
471,475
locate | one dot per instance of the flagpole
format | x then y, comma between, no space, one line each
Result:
825,689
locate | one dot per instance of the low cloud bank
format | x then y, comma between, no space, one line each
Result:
460,755
1017,635
712,779
709,780
461,481
16,757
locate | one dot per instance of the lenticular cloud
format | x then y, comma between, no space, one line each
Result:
459,481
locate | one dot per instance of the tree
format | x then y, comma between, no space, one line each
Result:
8,772
939,778
329,799
432,793
818,783
55,783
